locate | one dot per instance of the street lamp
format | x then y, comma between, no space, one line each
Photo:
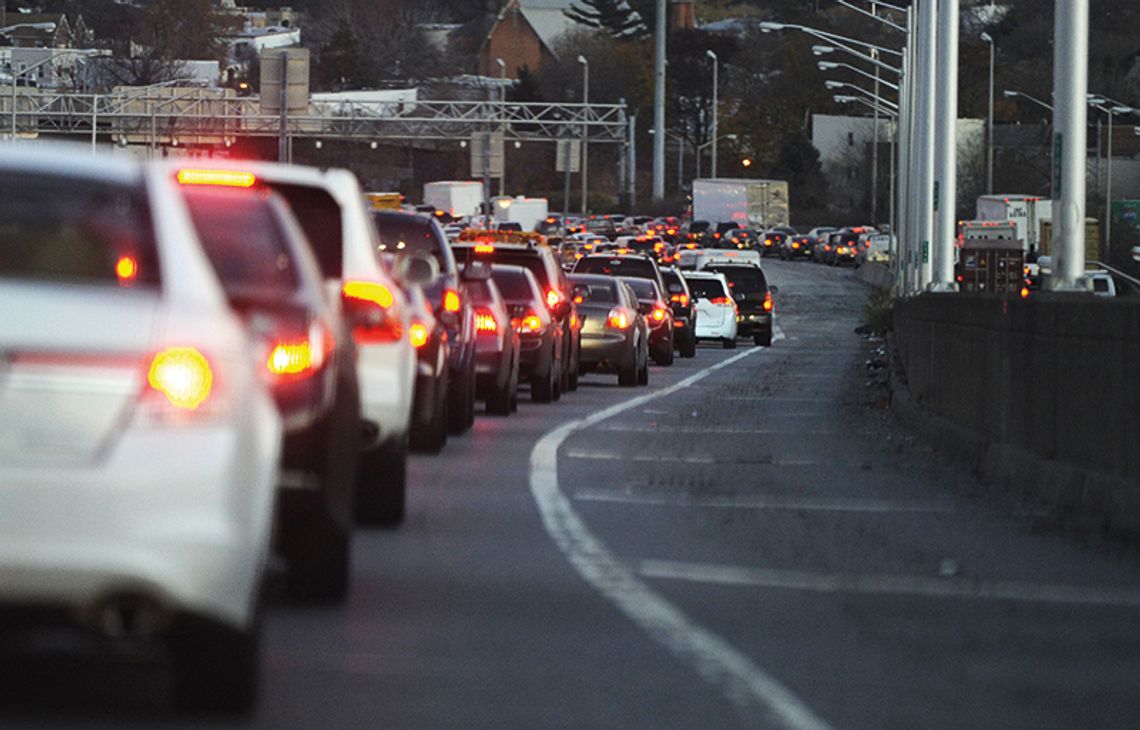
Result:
502,110
585,128
1010,94
832,65
711,142
710,54
1111,108
990,120
836,85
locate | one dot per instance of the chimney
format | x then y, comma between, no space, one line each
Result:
684,16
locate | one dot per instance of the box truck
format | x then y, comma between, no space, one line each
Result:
759,204
457,198
526,212
1027,212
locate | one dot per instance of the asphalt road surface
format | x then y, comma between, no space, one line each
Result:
749,542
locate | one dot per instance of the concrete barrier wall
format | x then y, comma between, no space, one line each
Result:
1056,377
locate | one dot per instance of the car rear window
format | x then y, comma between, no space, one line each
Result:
513,285
706,288
513,257
76,230
243,241
399,232
743,279
320,217
643,288
616,266
595,293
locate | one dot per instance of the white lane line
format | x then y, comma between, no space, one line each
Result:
715,430
908,585
612,456
774,502
712,657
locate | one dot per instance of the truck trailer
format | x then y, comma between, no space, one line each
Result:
1027,212
457,198
759,204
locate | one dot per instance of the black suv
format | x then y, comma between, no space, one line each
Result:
753,297
543,262
408,233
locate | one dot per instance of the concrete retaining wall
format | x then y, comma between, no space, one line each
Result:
1050,386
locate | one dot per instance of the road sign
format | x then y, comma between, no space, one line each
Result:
569,156
481,163
296,81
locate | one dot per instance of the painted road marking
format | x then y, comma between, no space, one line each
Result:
613,456
909,585
774,502
742,681
715,430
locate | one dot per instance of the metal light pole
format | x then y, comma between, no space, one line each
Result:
659,106
502,105
585,127
990,121
1070,84
1110,108
924,127
715,109
946,148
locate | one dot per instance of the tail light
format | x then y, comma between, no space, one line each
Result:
767,301
485,322
527,324
451,301
720,301
127,270
482,248
618,319
370,308
658,316
296,357
418,334
682,299
183,375
553,297
1024,292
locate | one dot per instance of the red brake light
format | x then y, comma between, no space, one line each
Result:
127,269
226,178
451,301
553,297
183,375
484,248
682,299
290,358
368,291
418,334
485,322
658,314
528,324
721,301
367,304
617,319
768,301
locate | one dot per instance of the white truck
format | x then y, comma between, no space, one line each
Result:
1027,212
758,204
526,212
457,198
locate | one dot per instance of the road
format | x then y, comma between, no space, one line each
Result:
749,542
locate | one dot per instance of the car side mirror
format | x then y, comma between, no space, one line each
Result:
774,289
476,271
561,310
416,268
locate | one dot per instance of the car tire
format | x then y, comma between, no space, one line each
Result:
628,377
665,357
689,346
319,569
729,343
542,384
762,339
499,400
215,669
381,484
431,438
643,373
574,372
461,404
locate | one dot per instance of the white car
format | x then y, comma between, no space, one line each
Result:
716,310
139,447
331,209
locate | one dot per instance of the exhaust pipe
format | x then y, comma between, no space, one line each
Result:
128,617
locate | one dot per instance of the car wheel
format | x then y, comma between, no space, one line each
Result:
542,385
689,346
499,400
431,438
627,377
381,484
574,372
666,354
558,379
318,568
461,404
643,373
215,669
729,343
762,339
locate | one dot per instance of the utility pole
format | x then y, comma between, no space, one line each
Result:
924,127
1070,115
659,107
875,141
946,198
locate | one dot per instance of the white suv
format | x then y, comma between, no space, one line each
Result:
331,209
139,447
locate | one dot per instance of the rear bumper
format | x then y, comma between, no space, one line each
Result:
752,323
607,351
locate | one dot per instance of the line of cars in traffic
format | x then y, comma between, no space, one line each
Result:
209,367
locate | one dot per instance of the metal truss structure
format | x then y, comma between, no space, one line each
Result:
180,116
